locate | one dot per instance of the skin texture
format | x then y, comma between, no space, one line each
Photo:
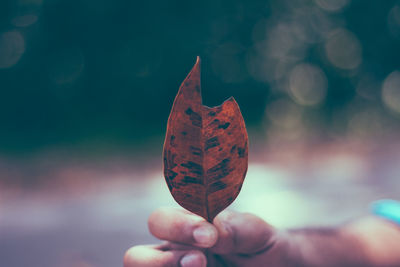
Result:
242,239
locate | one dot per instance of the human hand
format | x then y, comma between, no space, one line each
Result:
242,239
234,239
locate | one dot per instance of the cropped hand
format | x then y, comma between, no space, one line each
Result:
234,239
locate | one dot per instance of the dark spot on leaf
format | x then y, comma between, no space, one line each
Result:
184,133
233,149
189,111
238,187
169,159
220,170
223,164
196,151
193,167
170,174
171,141
211,113
241,152
194,117
218,185
224,126
212,142
214,123
192,180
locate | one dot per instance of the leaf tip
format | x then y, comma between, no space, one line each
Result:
197,65
198,60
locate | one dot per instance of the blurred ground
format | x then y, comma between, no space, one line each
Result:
85,212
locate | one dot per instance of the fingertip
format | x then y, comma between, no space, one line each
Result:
131,257
128,258
152,256
194,259
205,235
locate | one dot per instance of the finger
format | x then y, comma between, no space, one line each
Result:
151,256
177,225
242,233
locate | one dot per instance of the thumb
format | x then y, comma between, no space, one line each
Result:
242,233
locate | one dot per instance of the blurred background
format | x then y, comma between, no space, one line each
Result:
86,87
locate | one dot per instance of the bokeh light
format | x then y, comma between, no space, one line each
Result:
28,13
307,84
368,87
12,47
366,124
343,49
285,120
391,91
332,5
25,20
284,113
393,21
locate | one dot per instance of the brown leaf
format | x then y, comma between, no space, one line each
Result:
205,150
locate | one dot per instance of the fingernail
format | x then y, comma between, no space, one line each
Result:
191,260
203,235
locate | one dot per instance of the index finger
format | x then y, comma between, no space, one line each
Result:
181,226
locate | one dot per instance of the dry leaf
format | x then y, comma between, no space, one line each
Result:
205,150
